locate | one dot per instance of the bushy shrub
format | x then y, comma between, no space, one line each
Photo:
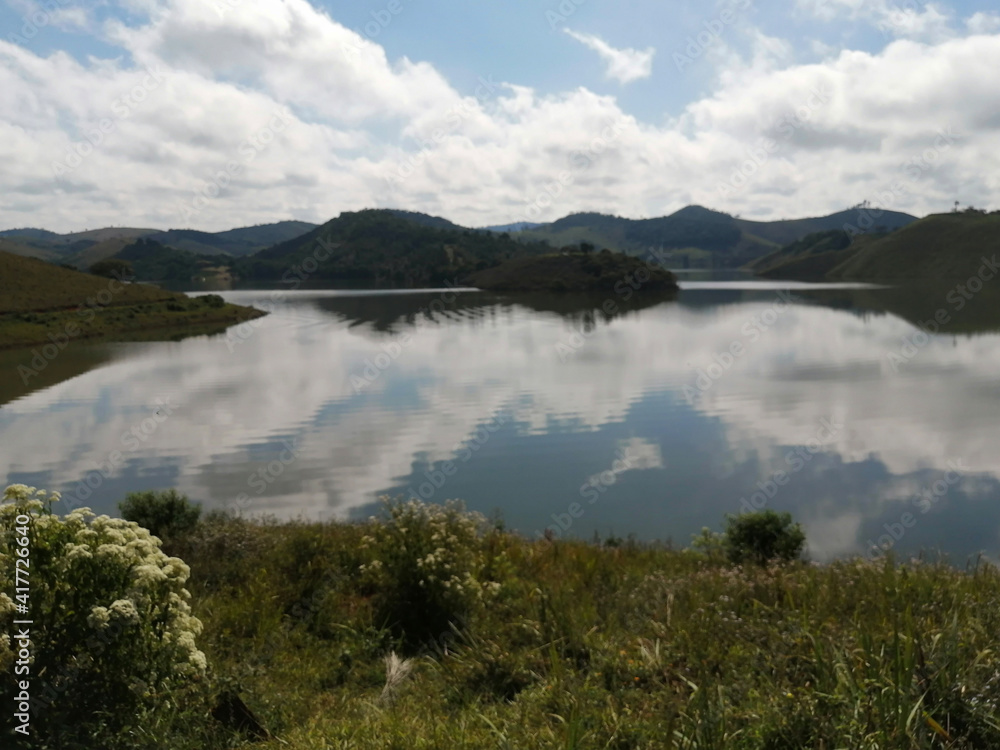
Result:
112,635
762,537
164,514
426,568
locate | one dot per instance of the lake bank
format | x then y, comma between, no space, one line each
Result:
565,643
46,305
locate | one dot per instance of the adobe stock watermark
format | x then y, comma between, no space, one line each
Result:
294,277
582,160
752,331
796,459
871,209
625,288
484,92
381,19
437,478
131,440
248,150
759,154
121,108
929,497
43,16
46,353
266,474
959,297
375,366
592,490
708,37
901,18
562,12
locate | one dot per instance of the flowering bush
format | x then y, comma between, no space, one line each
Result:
428,567
112,635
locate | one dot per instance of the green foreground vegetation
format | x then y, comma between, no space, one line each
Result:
429,627
42,304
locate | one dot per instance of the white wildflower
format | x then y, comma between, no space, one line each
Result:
99,617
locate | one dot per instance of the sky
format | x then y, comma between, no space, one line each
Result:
213,114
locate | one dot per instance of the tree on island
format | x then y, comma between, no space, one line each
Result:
113,268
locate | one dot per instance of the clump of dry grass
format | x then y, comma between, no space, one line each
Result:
397,671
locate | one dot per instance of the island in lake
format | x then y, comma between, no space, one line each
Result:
576,270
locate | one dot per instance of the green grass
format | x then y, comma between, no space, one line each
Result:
154,321
940,247
41,303
28,284
593,646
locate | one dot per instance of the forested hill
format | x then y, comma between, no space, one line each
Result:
377,246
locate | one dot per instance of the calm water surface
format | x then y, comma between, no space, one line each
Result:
659,420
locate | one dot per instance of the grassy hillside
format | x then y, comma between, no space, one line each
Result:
18,246
789,230
236,242
39,301
942,246
812,257
84,259
28,284
380,247
576,272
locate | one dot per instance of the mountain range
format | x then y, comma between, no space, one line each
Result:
386,246
83,249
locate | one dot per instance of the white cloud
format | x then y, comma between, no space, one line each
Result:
903,20
368,131
983,23
624,65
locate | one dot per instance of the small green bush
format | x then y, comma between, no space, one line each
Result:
427,568
762,537
166,514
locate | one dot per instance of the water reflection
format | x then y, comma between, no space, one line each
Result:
559,414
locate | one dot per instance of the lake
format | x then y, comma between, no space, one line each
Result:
839,404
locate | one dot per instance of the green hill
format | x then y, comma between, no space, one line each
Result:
426,219
16,245
698,237
940,247
236,242
29,233
28,284
41,303
381,247
576,272
695,236
789,230
152,261
83,249
810,258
